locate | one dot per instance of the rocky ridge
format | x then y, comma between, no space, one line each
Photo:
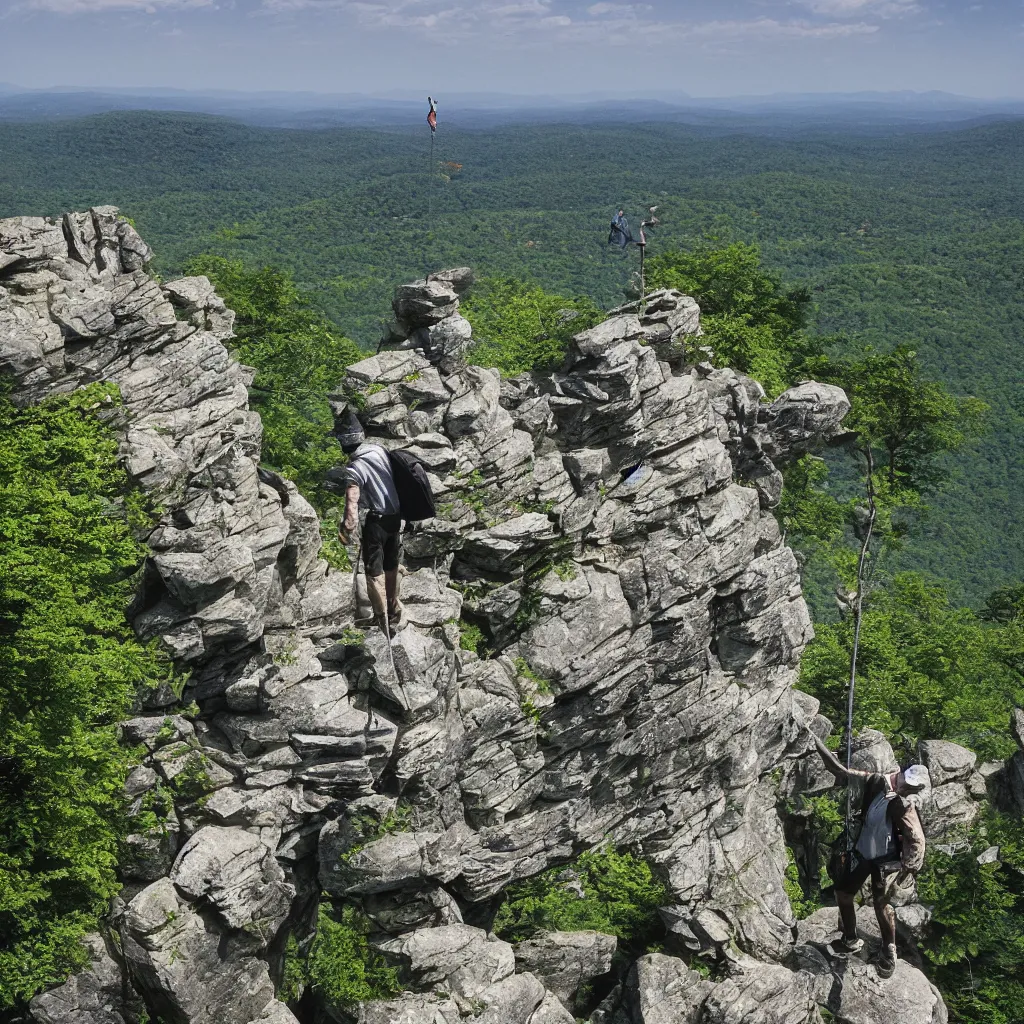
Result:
609,530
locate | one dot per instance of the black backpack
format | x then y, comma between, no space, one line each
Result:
415,497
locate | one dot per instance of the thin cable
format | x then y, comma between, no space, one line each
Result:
858,612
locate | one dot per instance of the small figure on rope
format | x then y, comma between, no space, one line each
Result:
889,848
432,115
620,234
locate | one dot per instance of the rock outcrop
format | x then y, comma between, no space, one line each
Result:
642,616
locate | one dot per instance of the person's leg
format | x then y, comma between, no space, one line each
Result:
847,914
846,893
886,916
373,561
392,557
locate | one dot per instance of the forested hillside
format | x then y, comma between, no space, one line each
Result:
908,239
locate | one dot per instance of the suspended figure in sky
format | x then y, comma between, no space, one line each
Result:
432,115
621,236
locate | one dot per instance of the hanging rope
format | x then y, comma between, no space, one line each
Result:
858,612
431,174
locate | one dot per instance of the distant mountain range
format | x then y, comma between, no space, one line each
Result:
865,111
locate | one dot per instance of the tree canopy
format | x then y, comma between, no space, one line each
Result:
70,668
299,358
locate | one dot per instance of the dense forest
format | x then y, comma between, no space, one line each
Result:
910,239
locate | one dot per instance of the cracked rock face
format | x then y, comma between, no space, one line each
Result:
642,618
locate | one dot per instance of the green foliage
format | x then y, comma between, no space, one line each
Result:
801,904
530,710
293,974
903,428
299,359
910,421
976,943
341,963
69,669
926,669
520,326
620,897
750,322
471,637
542,685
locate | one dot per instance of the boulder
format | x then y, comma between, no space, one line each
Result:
947,762
455,958
409,1008
567,962
872,752
97,995
234,872
659,989
176,963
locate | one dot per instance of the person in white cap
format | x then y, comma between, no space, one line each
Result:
890,842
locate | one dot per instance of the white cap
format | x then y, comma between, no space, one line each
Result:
917,776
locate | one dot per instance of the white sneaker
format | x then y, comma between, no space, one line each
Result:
845,947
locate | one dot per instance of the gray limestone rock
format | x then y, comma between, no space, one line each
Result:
865,998
763,993
566,961
659,989
642,615
947,762
97,995
234,872
409,1008
803,418
425,303
177,964
872,752
455,958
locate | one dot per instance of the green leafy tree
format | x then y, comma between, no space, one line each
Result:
926,669
907,422
70,667
751,322
341,964
976,940
521,327
901,427
605,890
299,358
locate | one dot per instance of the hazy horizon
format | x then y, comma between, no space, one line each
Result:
488,96
708,49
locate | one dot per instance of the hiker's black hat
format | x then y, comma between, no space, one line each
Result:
348,430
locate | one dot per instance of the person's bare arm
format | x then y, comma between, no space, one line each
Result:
835,766
348,524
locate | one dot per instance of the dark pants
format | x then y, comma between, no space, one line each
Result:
847,892
382,543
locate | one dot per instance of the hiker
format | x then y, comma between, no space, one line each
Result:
370,483
890,841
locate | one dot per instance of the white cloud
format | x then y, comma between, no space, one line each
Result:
605,10
861,8
530,23
770,28
107,6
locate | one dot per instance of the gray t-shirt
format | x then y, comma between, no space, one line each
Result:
370,468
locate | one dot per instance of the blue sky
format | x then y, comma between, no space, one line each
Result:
389,47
